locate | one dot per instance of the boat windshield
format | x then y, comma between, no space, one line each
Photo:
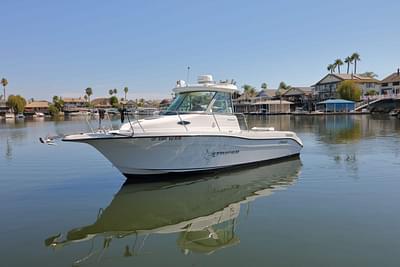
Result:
203,101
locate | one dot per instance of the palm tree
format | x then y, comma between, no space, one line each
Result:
369,74
115,91
283,87
111,91
249,90
264,86
338,63
348,61
330,68
334,67
4,82
355,57
126,91
88,92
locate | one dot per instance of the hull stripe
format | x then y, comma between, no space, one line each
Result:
139,137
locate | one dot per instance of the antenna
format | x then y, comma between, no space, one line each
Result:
187,75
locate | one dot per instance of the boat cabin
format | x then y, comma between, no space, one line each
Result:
205,97
203,107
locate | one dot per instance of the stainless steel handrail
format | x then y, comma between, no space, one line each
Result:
184,125
216,122
130,123
109,119
88,122
140,125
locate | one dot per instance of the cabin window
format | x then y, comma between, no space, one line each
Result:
191,102
222,103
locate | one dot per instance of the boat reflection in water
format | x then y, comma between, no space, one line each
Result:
202,211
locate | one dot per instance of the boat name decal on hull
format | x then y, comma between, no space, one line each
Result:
218,153
166,138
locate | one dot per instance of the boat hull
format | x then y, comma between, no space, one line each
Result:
165,155
135,177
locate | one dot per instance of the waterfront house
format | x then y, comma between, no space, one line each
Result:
102,102
73,104
164,104
300,96
391,84
272,107
151,103
264,102
336,105
244,102
130,104
326,87
41,106
266,94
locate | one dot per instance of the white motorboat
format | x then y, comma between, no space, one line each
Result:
9,116
20,116
77,112
38,115
198,132
112,111
147,111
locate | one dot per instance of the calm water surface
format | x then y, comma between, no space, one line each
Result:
338,205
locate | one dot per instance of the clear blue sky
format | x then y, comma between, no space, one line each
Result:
62,47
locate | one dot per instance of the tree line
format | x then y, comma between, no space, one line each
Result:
17,103
348,90
251,91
